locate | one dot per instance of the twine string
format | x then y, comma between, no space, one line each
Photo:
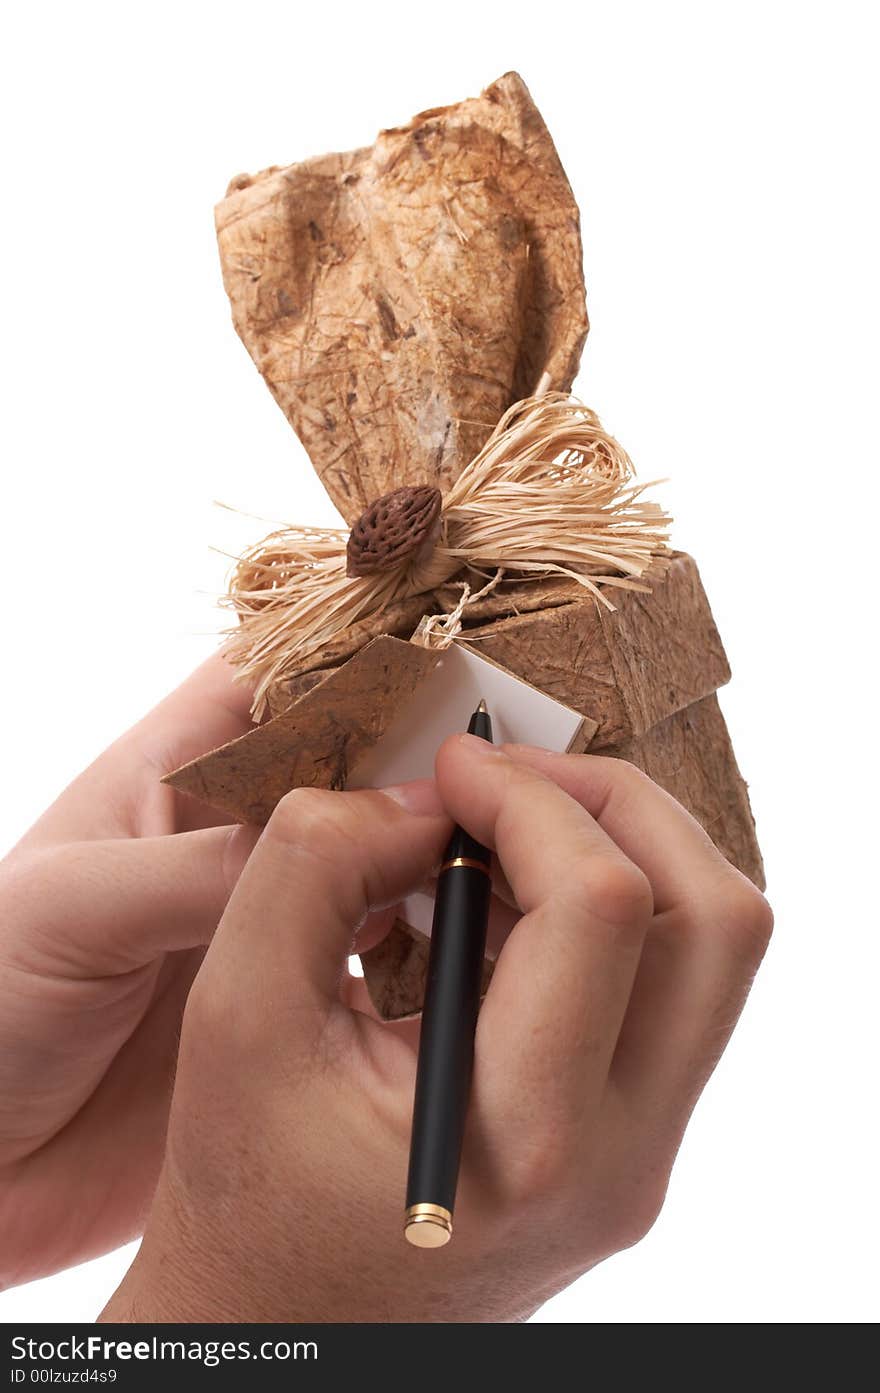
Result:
439,630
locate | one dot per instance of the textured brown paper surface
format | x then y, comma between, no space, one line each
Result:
690,755
316,741
398,299
624,671
628,668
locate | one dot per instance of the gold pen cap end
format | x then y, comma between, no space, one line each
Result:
427,1225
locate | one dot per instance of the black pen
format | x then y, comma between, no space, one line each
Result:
449,1023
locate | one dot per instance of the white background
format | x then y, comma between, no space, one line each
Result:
724,160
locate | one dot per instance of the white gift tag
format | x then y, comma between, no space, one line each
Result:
442,705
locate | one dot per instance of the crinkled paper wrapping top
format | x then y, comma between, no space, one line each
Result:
398,299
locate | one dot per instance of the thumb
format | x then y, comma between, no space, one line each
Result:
323,862
102,908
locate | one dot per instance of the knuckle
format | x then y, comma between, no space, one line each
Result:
322,832
22,872
625,778
574,1194
746,917
304,817
636,1213
616,891
539,1174
32,885
629,774
16,880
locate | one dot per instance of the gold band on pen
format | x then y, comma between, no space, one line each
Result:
427,1225
469,861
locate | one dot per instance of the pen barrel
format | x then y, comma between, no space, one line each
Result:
446,1046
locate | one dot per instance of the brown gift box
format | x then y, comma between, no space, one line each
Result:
397,300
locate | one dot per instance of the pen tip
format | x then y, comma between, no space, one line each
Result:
482,706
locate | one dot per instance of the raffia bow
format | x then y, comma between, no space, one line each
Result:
550,493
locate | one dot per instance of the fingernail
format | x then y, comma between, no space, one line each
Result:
419,797
475,745
515,748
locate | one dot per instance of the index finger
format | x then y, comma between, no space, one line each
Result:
550,1022
676,854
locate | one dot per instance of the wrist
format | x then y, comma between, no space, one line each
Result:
187,1272
174,1278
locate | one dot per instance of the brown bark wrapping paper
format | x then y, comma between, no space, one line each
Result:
316,741
627,668
690,755
397,299
644,675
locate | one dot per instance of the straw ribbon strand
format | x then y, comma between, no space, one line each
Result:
550,493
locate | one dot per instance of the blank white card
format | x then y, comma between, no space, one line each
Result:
442,705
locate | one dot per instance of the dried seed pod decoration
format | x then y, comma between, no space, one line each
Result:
400,526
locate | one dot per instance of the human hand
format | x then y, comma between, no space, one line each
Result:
104,908
281,1198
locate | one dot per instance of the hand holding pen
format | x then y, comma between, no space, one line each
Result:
287,1143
